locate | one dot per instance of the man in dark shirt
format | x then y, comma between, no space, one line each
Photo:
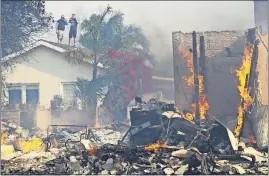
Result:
73,28
60,27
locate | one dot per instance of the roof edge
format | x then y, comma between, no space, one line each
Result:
37,44
204,32
41,42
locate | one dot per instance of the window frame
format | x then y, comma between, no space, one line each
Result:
23,87
63,92
32,87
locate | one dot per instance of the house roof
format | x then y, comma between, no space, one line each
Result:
68,47
54,46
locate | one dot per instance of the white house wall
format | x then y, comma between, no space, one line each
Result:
48,68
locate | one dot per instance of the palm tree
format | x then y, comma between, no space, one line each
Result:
102,33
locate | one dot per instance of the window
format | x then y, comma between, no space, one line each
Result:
69,95
23,93
14,95
32,94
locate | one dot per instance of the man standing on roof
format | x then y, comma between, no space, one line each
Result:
73,28
60,27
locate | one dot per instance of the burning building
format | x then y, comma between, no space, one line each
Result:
234,75
229,80
223,53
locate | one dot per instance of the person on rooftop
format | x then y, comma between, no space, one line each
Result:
73,28
60,27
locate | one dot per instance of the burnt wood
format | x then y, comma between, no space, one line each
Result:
196,81
203,63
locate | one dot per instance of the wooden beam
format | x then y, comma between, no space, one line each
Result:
202,63
196,81
251,36
253,75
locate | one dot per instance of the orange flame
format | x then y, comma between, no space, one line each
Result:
92,151
4,137
203,103
241,74
156,146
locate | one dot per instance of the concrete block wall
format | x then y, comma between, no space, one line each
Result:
215,42
223,96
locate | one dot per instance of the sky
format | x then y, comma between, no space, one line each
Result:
158,19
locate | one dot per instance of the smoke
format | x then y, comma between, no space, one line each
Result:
159,18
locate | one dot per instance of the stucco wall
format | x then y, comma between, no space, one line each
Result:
71,117
261,21
262,69
261,15
223,96
48,68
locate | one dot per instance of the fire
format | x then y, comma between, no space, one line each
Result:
203,103
93,149
156,146
252,139
189,116
246,99
34,144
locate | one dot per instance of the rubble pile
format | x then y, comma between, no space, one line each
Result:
123,159
158,141
16,141
24,151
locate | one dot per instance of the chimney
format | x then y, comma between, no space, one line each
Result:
261,15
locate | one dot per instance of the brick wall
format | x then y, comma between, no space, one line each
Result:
215,42
223,96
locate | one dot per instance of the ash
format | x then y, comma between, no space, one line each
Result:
105,152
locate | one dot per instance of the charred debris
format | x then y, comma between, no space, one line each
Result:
159,140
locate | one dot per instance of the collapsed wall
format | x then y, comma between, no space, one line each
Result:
223,51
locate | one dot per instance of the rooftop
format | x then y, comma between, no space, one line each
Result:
62,48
